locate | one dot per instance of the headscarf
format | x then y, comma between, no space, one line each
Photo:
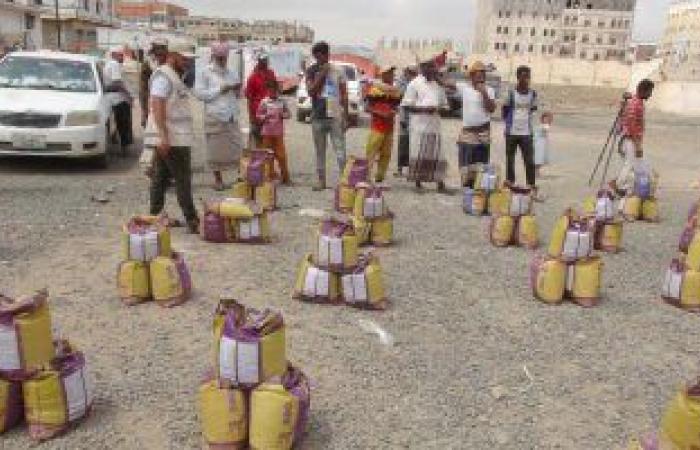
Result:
220,49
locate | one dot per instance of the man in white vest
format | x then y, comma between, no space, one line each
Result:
169,131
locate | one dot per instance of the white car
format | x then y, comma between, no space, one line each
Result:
354,94
54,104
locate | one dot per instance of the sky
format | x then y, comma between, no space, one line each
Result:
365,21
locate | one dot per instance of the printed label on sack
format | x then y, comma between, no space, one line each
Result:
255,228
570,278
150,244
673,284
227,359
324,244
244,230
577,244
604,209
137,250
310,282
323,284
336,251
360,287
78,394
248,362
348,289
9,349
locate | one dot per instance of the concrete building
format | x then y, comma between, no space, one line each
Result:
587,30
208,29
149,15
75,23
20,24
680,46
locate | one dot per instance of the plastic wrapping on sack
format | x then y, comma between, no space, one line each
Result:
146,237
266,195
171,283
242,190
681,286
643,177
364,287
279,413
344,200
26,343
234,208
134,282
223,413
54,399
578,241
11,404
250,347
583,281
650,210
356,171
680,424
631,207
548,279
527,232
608,236
369,202
520,202
474,202
314,284
487,178
337,246
382,230
501,230
258,166
604,206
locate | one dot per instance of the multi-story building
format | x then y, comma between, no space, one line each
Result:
208,29
71,25
583,29
150,14
680,46
20,24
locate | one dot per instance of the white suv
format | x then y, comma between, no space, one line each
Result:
53,104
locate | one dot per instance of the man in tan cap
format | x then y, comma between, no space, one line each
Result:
474,141
169,132
383,100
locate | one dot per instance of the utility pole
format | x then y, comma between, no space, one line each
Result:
58,25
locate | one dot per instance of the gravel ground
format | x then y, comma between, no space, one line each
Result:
476,363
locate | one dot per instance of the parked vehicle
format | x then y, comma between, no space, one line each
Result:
54,104
354,94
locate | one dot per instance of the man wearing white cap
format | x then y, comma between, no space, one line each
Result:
217,86
119,96
256,90
169,131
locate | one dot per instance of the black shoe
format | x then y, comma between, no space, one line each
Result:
193,226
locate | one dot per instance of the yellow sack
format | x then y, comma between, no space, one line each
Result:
690,292
692,260
242,190
364,288
631,208
344,198
548,279
528,232
501,230
556,243
273,416
316,284
266,196
363,230
11,408
145,237
589,205
170,281
337,253
134,282
650,210
609,236
233,208
584,281
681,286
25,333
56,398
499,202
681,422
383,231
224,416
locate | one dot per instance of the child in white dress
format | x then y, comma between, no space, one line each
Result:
542,141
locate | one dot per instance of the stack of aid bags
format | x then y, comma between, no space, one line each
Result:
608,228
151,270
681,285
570,269
680,424
42,381
258,179
373,221
481,199
337,273
512,222
356,171
235,220
641,203
256,399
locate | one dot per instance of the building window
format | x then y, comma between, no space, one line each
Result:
530,48
566,20
583,55
504,46
601,24
500,14
29,21
507,14
613,41
552,33
596,57
587,23
520,14
544,49
497,46
532,32
599,40
551,49
505,30
516,48
584,38
627,23
498,29
519,31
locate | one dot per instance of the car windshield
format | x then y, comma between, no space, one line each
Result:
47,74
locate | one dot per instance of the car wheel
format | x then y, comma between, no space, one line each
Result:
301,117
101,161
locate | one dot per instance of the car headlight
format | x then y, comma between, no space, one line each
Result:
82,118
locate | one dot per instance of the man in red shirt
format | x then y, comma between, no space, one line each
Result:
256,90
383,100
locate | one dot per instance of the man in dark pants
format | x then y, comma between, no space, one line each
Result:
517,114
169,130
404,135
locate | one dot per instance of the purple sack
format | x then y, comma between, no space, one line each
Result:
687,236
184,272
214,228
297,384
13,407
359,172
